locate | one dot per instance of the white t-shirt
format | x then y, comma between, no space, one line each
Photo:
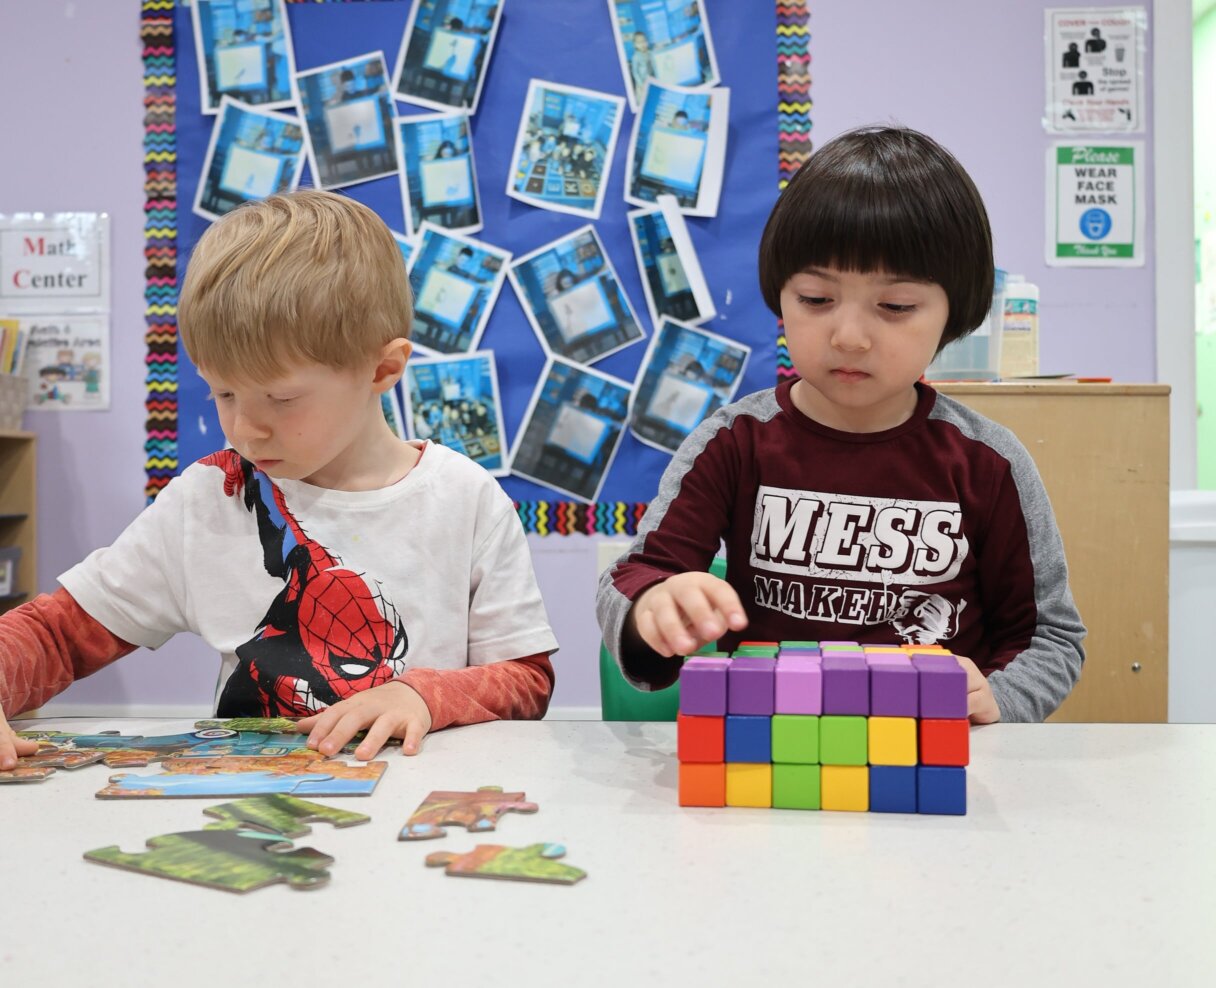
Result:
322,592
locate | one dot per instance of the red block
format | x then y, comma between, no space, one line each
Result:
700,739
702,785
945,742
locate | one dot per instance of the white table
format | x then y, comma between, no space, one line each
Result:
1088,856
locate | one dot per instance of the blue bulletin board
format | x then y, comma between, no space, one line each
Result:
569,42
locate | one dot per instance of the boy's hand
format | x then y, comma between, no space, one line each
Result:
11,746
981,704
686,611
393,710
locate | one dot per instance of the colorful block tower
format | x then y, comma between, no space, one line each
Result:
825,725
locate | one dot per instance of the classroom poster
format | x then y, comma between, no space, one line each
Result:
55,262
67,362
1095,69
1095,205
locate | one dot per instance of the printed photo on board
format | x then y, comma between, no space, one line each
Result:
454,401
677,148
571,430
438,176
244,51
664,40
445,53
455,281
573,299
688,374
253,153
671,274
563,148
349,121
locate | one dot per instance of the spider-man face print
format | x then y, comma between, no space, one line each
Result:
329,633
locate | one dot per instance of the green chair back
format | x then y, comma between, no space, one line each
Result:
620,701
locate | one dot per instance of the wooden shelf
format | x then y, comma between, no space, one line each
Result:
18,509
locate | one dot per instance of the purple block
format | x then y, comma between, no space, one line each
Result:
799,686
934,659
846,686
894,690
703,686
943,686
887,659
751,686
853,658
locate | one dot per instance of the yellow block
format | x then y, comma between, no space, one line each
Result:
749,784
926,649
892,740
867,649
842,787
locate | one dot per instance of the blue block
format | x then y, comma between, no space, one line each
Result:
749,739
941,790
892,788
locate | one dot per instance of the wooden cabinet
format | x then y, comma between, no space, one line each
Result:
1103,453
18,511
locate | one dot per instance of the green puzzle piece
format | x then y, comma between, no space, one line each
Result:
236,861
534,863
280,814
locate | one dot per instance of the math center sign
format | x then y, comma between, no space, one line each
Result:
1095,205
54,262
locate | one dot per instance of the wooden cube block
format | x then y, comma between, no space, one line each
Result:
945,742
844,787
702,784
892,741
703,686
751,686
795,787
843,740
749,739
892,789
941,790
700,739
795,739
749,784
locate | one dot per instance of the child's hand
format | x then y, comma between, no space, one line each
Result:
981,704
686,611
393,710
11,746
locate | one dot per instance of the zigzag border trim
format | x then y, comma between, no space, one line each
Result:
160,243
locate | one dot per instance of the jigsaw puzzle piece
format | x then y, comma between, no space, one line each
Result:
283,729
302,773
534,863
279,814
21,774
232,860
477,811
258,725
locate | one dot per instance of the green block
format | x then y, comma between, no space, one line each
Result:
756,652
796,787
800,644
708,652
796,739
843,740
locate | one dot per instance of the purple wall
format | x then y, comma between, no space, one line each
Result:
971,74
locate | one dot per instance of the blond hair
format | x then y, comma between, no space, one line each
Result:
302,277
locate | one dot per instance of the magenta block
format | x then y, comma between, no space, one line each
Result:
799,686
856,658
943,686
800,653
894,690
846,687
751,686
703,686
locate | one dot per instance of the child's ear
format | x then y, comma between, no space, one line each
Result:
391,364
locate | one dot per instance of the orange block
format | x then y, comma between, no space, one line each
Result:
945,742
702,784
700,739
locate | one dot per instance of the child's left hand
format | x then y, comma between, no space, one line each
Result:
981,704
393,710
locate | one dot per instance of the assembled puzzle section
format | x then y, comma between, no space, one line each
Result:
825,725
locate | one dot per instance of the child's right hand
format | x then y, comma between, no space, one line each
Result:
11,746
686,611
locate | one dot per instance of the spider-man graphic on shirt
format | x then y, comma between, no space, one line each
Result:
329,633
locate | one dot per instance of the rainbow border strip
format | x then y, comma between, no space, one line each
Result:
793,116
160,242
160,252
